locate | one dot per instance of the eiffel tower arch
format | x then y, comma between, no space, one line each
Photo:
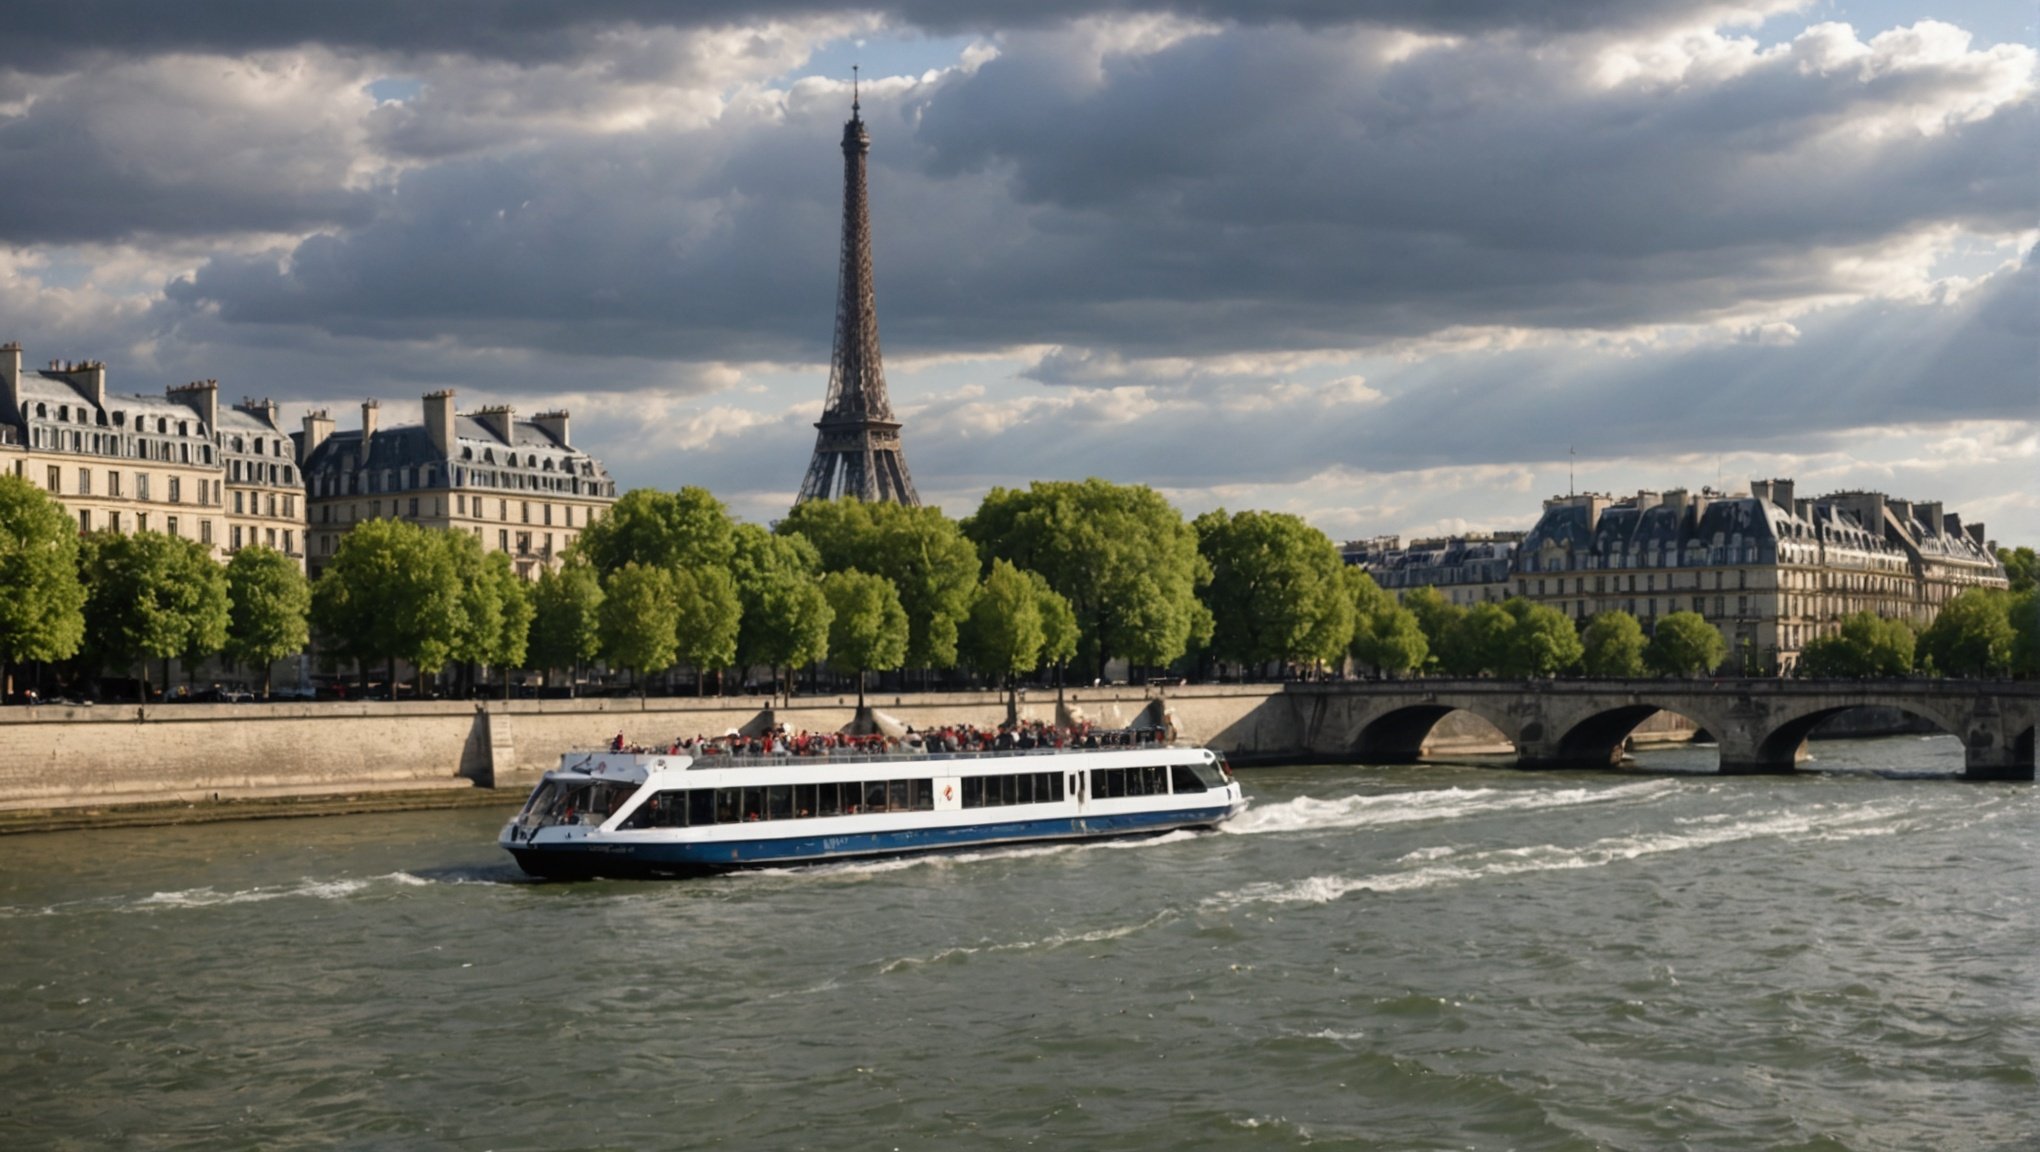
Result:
857,440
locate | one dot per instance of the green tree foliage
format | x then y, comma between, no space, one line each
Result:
785,618
1386,635
391,592
1972,636
2024,611
1058,623
565,627
1277,591
1120,554
515,613
270,610
1542,641
1476,640
2022,567
1866,645
1436,618
1613,646
1003,634
924,553
478,632
868,630
1685,644
639,620
710,615
42,600
151,596
685,529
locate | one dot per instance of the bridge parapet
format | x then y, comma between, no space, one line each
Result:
1761,725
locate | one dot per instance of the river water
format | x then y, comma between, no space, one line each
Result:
1435,957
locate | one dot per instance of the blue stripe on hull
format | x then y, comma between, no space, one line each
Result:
640,859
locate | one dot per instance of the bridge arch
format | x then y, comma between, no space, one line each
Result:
1783,746
1397,734
1598,738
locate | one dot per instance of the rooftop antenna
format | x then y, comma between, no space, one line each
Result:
1570,457
853,91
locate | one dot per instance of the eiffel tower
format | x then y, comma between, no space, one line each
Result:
857,441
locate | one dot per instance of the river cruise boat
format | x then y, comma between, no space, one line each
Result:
669,814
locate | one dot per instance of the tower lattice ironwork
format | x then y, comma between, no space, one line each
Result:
857,441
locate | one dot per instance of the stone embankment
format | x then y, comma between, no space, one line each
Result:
115,763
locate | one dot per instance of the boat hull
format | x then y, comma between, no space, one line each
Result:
607,857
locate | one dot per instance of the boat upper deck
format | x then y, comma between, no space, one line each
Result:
614,764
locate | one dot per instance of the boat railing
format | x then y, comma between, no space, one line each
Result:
822,760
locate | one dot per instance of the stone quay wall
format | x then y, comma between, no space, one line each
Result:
112,756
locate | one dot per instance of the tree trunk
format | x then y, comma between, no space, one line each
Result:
860,689
268,679
390,677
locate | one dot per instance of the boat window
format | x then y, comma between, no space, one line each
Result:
541,797
830,799
874,796
897,796
701,806
923,793
973,791
1186,779
754,804
779,802
805,800
727,803
660,810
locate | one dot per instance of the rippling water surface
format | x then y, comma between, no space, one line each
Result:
1396,958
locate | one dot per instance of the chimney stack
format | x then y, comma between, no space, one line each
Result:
318,426
10,380
202,397
499,419
370,410
265,410
1975,530
439,421
1930,517
554,424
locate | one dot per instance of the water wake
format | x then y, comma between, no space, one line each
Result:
1470,867
1309,814
1046,943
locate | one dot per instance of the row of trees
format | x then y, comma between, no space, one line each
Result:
1057,573
116,600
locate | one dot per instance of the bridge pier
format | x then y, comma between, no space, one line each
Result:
1991,752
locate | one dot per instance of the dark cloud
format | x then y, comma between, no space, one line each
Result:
1319,196
54,34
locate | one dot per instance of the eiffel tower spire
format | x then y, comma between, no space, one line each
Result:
857,441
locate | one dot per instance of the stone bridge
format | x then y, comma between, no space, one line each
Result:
1761,724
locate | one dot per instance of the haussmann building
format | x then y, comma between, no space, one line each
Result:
520,486
177,463
1770,570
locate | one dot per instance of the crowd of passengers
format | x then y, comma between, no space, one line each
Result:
950,738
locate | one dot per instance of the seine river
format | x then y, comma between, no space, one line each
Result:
1397,958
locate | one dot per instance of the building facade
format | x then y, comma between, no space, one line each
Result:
518,485
1771,571
117,463
1478,568
264,499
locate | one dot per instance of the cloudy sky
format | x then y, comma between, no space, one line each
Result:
1392,265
